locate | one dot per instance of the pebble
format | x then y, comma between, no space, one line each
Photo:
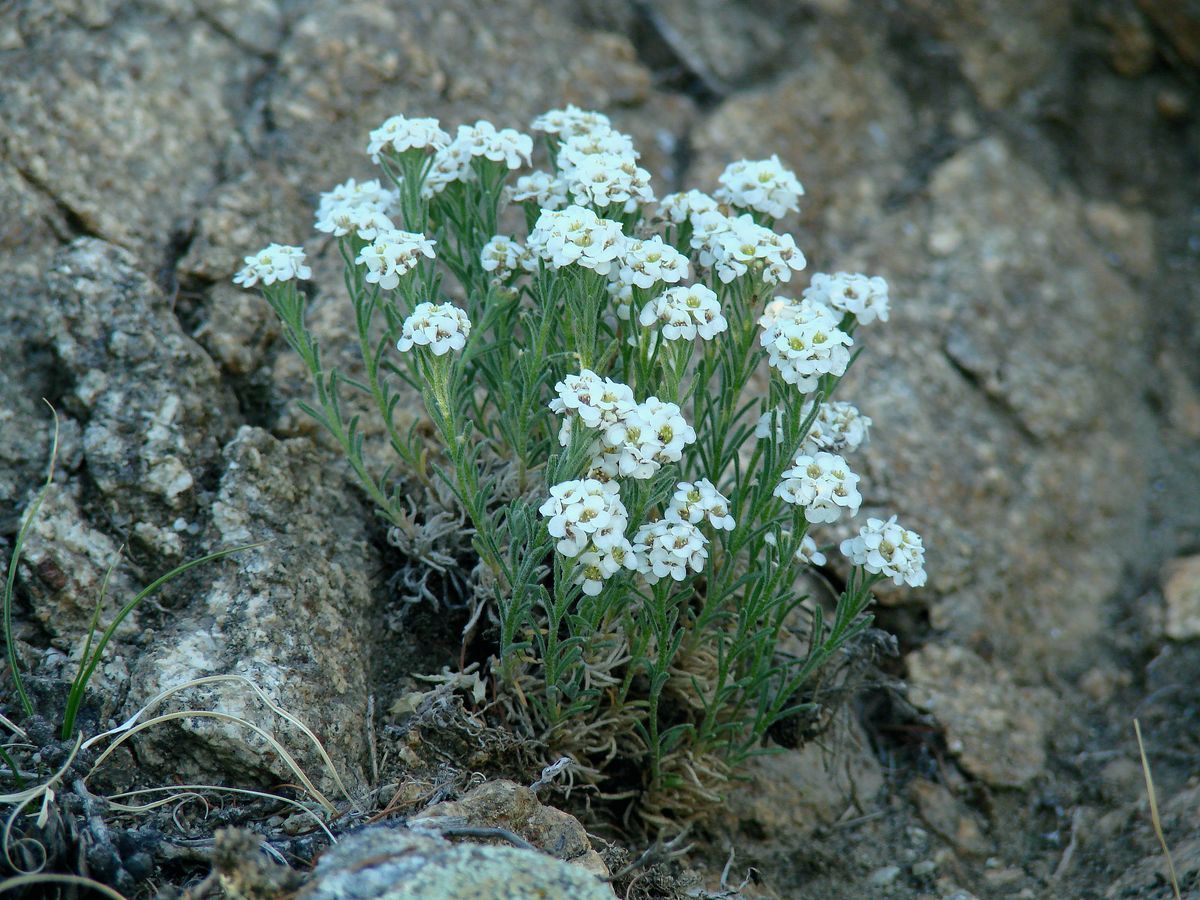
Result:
924,869
885,875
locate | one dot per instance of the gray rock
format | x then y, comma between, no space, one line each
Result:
292,616
381,863
797,791
154,409
124,126
1181,588
515,808
1005,47
996,729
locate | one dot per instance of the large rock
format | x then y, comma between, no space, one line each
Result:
122,113
293,616
383,863
154,410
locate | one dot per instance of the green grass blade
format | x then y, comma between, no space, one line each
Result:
10,582
88,666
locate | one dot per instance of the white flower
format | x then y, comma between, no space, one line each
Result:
541,188
695,501
803,342
506,146
577,235
596,566
838,427
682,207
598,402
645,437
399,133
707,227
822,484
392,254
502,256
608,179
450,164
744,246
370,223
859,295
885,548
763,185
685,312
570,122
646,263
585,513
576,149
351,205
622,295
441,327
669,549
276,262
808,552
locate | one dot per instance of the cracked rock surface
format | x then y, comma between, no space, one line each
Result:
1022,173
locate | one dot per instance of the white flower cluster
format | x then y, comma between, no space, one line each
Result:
735,246
571,121
393,254
599,403
683,207
274,263
609,179
544,190
647,436
506,145
399,134
822,484
602,140
597,165
635,439
645,263
803,342
441,327
482,140
838,427
502,256
669,548
577,235
589,520
863,297
764,186
685,312
696,501
352,206
885,548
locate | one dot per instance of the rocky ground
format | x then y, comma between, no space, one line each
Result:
1025,174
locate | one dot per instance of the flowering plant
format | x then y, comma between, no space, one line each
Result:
640,512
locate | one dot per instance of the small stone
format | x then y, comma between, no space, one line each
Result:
1181,588
884,876
514,807
942,812
1172,104
924,869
